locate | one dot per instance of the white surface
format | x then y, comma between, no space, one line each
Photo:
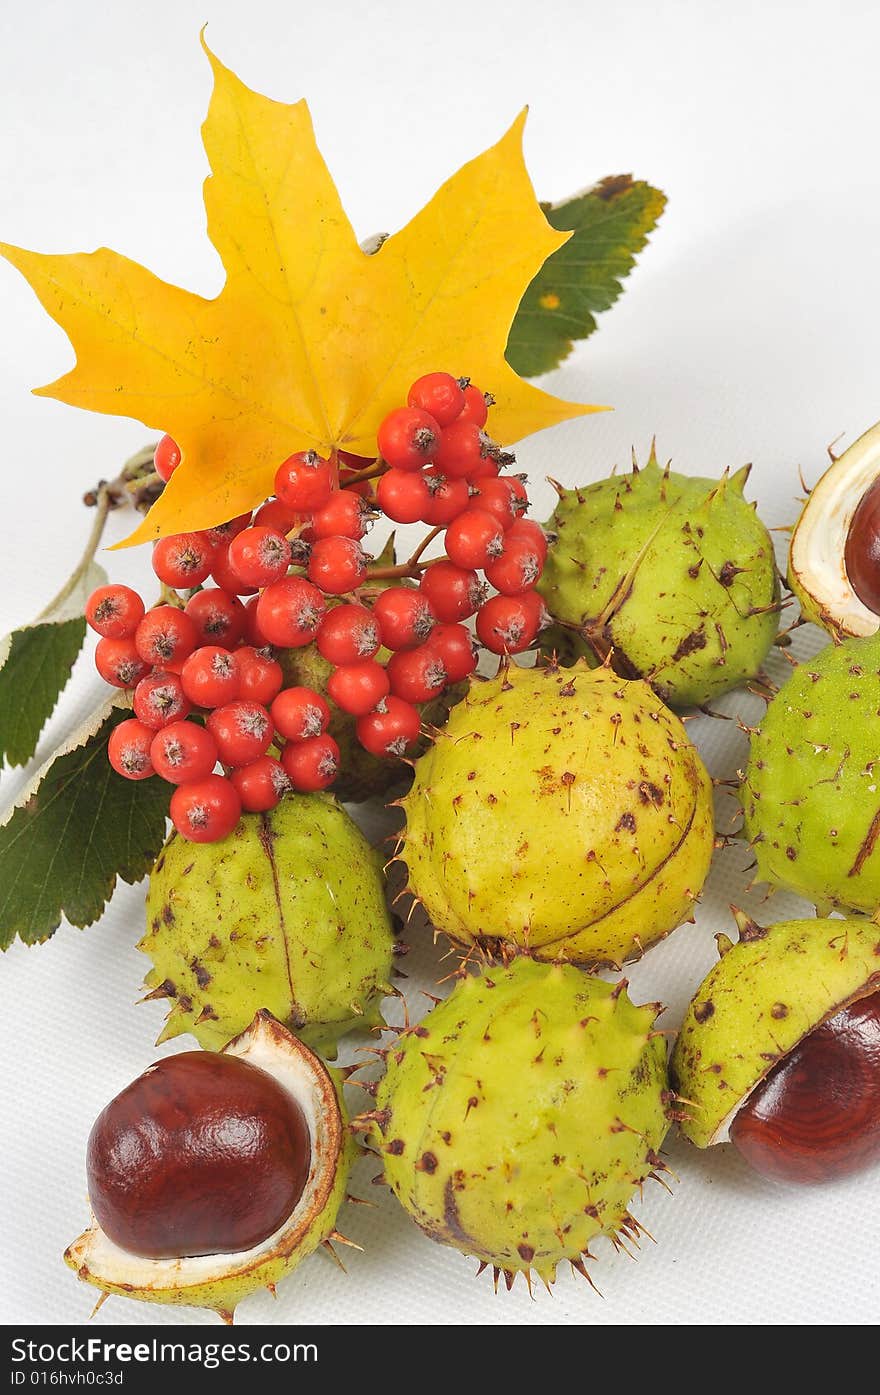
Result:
749,332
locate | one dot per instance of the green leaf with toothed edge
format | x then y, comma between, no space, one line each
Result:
610,225
75,829
35,664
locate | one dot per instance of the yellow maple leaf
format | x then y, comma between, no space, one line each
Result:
311,341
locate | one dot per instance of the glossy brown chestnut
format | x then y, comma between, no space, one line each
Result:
861,553
816,1116
202,1154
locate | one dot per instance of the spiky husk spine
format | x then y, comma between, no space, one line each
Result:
562,811
287,913
221,1282
671,575
516,1121
767,992
810,788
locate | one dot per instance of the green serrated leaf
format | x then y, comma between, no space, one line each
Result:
611,223
35,664
75,829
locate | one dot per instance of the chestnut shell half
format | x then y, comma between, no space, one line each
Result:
816,1115
202,1154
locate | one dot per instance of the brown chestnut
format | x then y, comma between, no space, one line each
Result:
816,1115
861,553
203,1154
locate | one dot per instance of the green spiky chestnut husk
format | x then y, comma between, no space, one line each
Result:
562,811
810,788
767,991
516,1121
671,575
286,913
221,1281
361,775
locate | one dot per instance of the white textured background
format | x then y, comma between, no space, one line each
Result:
749,332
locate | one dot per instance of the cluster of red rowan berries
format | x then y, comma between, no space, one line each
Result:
208,689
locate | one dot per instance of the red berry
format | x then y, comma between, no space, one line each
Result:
348,634
274,514
487,469
252,632
241,730
404,617
128,750
407,438
185,559
119,663
304,482
166,458
356,688
289,612
210,677
474,538
462,447
337,565
476,405
223,533
364,488
350,465
517,569
259,556
206,811
455,649
417,675
159,699
505,498
449,498
531,532
509,624
452,592
313,764
260,678
354,463
261,784
166,636
218,617
114,611
225,575
183,751
300,713
345,515
388,731
438,394
402,496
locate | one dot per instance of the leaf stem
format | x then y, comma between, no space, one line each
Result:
134,466
424,545
136,482
410,568
370,472
104,504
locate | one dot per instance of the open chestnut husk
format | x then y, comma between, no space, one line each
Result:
834,554
203,1154
213,1175
779,1051
816,1115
